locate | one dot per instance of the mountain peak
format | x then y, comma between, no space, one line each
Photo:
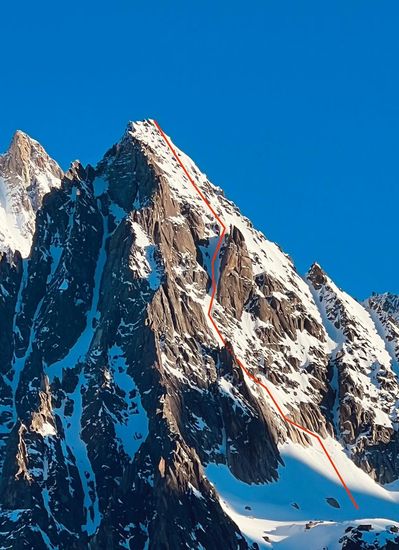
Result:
26,156
21,136
22,148
27,173
387,302
136,129
134,125
317,275
316,267
141,131
143,347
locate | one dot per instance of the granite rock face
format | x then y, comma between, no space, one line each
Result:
365,383
116,391
27,173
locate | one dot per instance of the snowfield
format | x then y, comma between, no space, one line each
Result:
281,511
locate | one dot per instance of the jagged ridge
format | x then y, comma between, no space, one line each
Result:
118,401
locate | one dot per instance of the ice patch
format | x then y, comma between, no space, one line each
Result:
143,261
132,430
82,344
100,186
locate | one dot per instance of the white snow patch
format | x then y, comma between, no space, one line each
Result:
142,260
132,430
307,480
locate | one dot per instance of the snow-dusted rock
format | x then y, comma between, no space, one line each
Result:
27,173
126,423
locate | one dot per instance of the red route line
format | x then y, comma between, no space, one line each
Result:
228,348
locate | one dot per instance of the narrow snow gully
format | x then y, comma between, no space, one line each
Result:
72,425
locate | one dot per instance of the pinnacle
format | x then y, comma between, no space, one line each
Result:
21,137
22,145
133,127
25,151
20,134
316,274
316,268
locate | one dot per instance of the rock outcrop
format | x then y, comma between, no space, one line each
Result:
365,384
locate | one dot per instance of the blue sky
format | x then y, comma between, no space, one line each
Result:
291,107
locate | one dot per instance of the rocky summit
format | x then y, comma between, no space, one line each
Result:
127,422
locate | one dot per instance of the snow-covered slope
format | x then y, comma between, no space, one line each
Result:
365,411
384,310
27,173
306,508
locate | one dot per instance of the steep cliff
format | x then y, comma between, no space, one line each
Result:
125,417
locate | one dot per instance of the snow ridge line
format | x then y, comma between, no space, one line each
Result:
227,347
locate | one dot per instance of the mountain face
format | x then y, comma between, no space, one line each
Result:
27,173
384,310
127,423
